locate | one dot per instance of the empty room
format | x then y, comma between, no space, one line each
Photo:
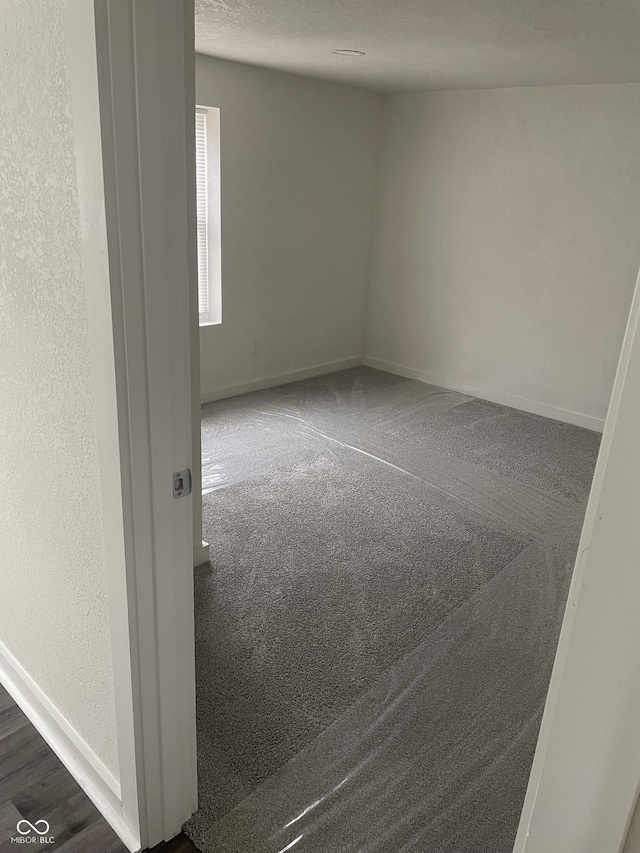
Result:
319,406
418,242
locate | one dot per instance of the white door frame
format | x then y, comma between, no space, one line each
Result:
145,60
586,771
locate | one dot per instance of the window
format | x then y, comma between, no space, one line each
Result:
208,215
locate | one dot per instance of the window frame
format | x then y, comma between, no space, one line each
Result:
208,226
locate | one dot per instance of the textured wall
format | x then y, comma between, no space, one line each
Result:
54,613
298,159
507,239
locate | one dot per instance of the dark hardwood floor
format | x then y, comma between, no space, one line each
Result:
35,786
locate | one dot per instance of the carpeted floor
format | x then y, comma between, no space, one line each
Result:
375,636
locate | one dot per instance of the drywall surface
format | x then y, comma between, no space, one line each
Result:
54,616
507,239
297,175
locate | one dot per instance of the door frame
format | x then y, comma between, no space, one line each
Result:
145,74
585,776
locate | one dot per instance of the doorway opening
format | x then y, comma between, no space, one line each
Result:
394,478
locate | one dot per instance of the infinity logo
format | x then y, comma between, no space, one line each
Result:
32,827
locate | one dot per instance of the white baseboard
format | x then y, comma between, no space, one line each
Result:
95,779
200,554
279,379
504,399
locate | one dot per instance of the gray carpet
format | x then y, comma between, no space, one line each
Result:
375,638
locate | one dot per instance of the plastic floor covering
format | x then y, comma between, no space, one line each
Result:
375,635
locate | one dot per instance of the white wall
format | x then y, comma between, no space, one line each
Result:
54,617
297,160
507,239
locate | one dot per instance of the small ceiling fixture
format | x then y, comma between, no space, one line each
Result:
348,52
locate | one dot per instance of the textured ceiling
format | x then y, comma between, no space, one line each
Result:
430,44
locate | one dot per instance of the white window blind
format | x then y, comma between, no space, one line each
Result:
204,295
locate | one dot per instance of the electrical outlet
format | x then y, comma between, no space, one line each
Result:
255,345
